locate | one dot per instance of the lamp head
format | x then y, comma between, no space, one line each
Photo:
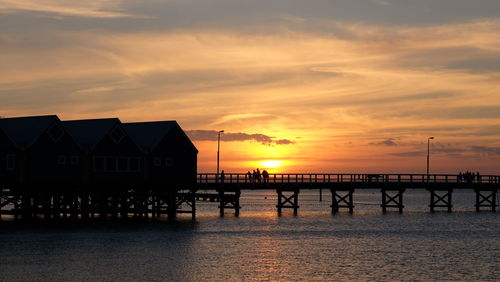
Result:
431,137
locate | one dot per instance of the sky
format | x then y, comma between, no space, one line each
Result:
338,86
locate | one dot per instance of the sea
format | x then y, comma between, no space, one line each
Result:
260,245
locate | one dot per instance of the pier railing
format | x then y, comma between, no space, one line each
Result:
345,178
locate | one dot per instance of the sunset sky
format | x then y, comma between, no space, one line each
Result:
297,85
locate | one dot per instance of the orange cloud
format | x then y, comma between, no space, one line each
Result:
342,89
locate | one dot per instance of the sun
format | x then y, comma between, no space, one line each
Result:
272,164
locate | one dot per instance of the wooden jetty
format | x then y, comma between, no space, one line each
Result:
343,186
142,202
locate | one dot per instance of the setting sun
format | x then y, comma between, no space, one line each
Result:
272,164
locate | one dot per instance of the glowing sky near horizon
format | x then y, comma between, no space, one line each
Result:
298,86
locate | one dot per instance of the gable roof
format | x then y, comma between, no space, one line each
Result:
89,132
5,138
148,135
24,131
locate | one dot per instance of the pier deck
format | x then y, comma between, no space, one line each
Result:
143,203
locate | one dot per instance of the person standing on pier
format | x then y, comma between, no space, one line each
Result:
265,176
222,176
258,175
249,176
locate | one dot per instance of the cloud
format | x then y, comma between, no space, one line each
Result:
380,2
388,142
87,9
341,82
408,154
212,135
485,150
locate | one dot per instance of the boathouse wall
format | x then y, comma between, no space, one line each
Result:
174,160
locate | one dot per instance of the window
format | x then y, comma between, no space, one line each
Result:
117,134
61,159
122,164
110,163
99,163
75,160
134,164
11,162
55,132
157,161
169,162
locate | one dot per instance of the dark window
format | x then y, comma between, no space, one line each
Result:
110,163
157,161
117,134
75,160
169,162
122,164
61,159
134,164
55,132
11,162
99,163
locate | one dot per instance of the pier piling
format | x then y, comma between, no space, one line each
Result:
392,198
342,198
440,198
288,201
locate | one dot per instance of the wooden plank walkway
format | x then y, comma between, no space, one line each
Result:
338,180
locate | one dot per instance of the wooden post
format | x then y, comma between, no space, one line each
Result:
342,200
193,204
229,201
172,204
392,201
222,202
279,205
288,202
486,197
443,200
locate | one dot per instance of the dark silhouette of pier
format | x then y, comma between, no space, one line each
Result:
104,168
153,203
343,186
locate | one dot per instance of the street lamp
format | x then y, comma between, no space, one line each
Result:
218,153
428,153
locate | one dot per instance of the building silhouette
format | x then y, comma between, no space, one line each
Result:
84,168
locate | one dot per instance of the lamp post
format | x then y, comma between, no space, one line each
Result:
428,153
218,154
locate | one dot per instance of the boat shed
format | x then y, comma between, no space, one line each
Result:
111,157
9,156
38,153
171,157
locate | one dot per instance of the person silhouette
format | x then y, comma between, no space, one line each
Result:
222,176
248,177
265,176
258,175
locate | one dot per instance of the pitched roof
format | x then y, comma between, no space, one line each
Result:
24,131
5,139
149,134
89,132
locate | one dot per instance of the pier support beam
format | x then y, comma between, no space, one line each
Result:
229,199
392,198
342,198
288,201
440,198
189,199
486,198
172,205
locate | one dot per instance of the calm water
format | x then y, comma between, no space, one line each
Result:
259,245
